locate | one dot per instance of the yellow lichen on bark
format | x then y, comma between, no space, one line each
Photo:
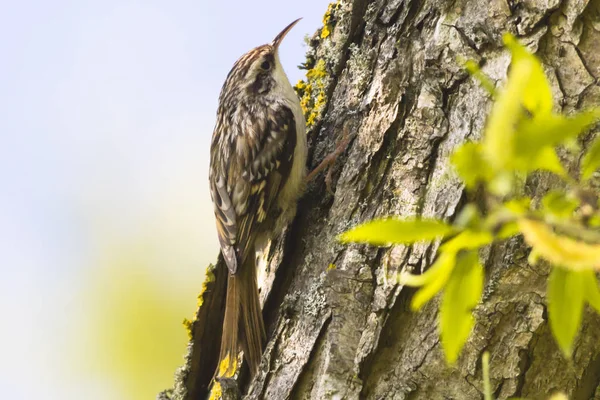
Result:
210,277
312,92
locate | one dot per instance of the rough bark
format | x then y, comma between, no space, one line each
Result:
339,326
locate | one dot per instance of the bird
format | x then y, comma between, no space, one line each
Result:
257,174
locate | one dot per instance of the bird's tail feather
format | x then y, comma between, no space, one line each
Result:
243,323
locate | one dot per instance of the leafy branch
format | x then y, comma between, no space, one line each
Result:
522,135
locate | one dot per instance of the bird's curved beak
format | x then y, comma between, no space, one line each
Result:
279,38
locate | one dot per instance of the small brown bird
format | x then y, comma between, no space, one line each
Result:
257,170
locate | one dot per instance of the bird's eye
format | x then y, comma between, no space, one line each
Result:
265,65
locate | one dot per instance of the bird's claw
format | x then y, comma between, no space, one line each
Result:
328,162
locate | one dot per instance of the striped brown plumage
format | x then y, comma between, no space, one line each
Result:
257,168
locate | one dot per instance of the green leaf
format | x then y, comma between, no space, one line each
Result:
537,95
592,292
518,206
526,93
508,230
467,240
444,266
565,306
434,279
503,183
591,160
461,295
559,396
502,220
470,164
573,146
468,218
551,130
439,270
498,146
559,249
594,221
546,159
382,232
557,204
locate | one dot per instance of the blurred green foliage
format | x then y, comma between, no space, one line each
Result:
132,334
522,135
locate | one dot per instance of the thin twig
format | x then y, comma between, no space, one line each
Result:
485,364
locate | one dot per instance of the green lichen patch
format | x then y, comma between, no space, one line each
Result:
312,92
188,325
329,19
210,277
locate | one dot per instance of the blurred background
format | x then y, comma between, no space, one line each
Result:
106,227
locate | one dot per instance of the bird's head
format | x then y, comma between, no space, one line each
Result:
259,70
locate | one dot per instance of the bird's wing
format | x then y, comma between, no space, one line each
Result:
253,171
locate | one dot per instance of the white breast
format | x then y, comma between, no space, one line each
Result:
294,186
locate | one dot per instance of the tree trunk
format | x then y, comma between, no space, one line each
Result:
386,73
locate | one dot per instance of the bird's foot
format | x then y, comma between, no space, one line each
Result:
328,161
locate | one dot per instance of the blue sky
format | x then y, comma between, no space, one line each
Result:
106,114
